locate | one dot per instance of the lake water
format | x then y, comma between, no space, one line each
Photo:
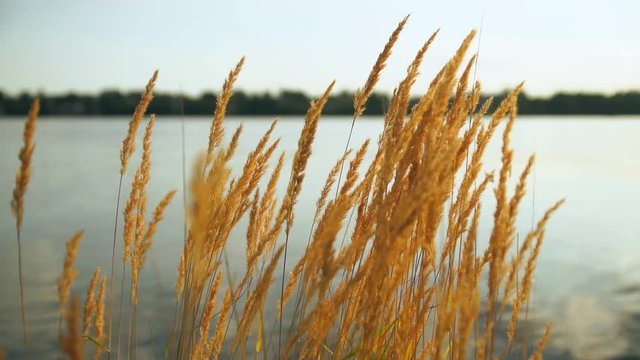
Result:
588,276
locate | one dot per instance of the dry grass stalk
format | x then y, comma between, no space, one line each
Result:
215,136
524,290
234,143
128,144
69,274
71,341
130,218
135,211
363,94
17,203
328,184
158,215
537,355
98,324
24,172
301,157
298,167
126,151
90,305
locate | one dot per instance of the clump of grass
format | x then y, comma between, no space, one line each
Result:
387,291
126,151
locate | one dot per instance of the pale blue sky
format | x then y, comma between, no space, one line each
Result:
87,45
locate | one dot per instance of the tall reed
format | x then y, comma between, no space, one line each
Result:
17,204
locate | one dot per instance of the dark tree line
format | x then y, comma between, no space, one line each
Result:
291,103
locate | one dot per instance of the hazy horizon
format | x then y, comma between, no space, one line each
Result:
86,47
275,92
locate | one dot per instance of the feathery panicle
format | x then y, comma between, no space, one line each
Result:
294,277
400,100
130,217
90,304
24,173
128,144
260,217
301,156
158,215
531,236
72,344
144,169
363,94
523,294
537,355
233,145
252,229
331,179
268,200
215,135
145,165
182,267
520,187
354,166
135,227
98,324
135,208
68,273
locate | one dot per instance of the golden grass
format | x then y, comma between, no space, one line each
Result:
215,136
386,291
71,342
24,172
128,144
17,203
362,95
126,151
98,324
69,274
90,305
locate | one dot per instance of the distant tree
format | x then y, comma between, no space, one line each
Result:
292,103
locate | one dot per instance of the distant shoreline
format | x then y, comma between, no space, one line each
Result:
294,103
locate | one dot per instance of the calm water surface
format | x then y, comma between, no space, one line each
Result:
588,274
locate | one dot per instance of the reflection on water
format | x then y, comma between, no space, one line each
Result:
587,283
